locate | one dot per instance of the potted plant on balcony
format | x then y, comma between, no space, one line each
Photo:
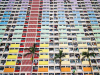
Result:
32,51
73,72
59,55
87,55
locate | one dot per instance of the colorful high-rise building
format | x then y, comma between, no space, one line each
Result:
72,26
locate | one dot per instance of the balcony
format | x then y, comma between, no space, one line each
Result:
1,69
19,56
51,45
4,40
37,40
0,56
56,40
6,50
18,62
51,68
17,69
79,70
4,56
78,62
35,69
72,62
57,69
96,50
95,68
56,45
51,50
62,31
51,62
72,55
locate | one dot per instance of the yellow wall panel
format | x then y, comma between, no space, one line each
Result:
82,56
10,63
63,45
65,50
44,45
44,50
82,45
83,50
11,56
85,62
14,45
65,62
98,45
13,51
99,50
66,56
43,62
44,56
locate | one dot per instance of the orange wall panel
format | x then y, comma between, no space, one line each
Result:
9,70
86,69
43,70
65,69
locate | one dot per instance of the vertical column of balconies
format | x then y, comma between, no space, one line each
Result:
5,22
32,23
12,31
33,17
43,58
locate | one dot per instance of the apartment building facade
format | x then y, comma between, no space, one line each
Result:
72,26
